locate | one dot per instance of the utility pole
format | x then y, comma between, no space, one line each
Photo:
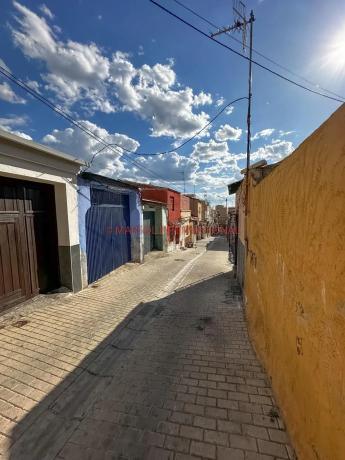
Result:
240,24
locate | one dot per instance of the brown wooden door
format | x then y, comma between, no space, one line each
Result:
12,282
28,241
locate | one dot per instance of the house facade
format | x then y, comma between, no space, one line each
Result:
110,225
196,215
155,221
187,237
171,199
39,244
205,219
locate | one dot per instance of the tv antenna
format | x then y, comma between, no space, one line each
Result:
239,12
241,23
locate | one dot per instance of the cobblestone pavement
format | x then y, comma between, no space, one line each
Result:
153,362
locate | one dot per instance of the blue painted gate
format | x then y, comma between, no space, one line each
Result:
108,241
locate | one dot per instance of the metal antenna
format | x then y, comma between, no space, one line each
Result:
241,22
239,12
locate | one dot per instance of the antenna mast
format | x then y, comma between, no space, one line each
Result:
241,22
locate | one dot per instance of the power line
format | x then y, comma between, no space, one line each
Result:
76,123
207,21
183,143
60,112
273,72
202,129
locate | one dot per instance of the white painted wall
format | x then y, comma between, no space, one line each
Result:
21,161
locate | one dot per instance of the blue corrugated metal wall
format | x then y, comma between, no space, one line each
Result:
108,242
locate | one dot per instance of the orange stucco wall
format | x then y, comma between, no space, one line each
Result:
295,288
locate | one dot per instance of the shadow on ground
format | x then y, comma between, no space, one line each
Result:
115,407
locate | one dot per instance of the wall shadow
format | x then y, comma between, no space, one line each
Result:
215,247
123,391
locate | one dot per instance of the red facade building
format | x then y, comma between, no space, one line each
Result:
172,200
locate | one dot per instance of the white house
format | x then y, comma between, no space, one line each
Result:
39,237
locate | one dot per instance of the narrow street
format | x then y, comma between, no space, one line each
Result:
153,361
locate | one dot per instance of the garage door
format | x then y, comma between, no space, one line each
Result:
108,241
28,241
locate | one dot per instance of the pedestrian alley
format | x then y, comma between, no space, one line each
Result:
151,362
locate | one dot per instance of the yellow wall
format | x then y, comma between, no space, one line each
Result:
295,288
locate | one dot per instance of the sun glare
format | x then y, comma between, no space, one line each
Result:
335,54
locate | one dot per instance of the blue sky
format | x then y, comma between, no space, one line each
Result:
138,77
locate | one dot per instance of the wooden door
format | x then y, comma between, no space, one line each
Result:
13,288
28,240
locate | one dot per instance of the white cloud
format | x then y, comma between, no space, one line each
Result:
219,195
23,135
78,144
164,167
203,178
228,133
285,133
33,84
220,101
273,152
156,169
208,151
7,94
12,122
263,134
75,70
46,11
202,99
3,64
218,162
141,51
79,72
229,110
150,92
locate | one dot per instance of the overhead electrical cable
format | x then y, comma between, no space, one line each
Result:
273,72
229,35
77,124
198,132
105,145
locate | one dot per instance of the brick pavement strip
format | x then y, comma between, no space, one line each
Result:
152,362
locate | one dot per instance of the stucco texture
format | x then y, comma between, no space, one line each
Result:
295,288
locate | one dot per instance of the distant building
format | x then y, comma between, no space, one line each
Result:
221,215
187,236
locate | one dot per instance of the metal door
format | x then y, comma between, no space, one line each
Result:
149,224
108,240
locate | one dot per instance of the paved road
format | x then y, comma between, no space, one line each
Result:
153,362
